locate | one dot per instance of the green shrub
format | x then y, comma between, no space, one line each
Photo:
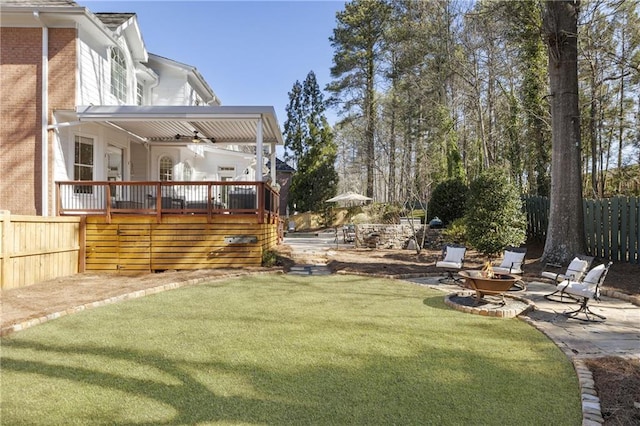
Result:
269,258
448,201
456,232
494,215
391,213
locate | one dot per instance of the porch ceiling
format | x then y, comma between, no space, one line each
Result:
222,124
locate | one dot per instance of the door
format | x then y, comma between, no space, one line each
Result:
114,165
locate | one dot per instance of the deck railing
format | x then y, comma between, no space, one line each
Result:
159,198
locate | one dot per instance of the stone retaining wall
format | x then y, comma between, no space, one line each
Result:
392,236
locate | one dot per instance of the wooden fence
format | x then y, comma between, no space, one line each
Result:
34,248
611,226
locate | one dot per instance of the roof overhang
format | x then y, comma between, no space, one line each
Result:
224,125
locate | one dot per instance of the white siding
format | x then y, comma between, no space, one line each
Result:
173,88
170,91
94,75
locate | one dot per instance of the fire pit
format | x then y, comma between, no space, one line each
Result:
485,282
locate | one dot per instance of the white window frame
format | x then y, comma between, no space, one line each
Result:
139,94
187,171
165,175
81,165
119,80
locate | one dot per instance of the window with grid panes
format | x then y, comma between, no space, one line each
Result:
139,94
118,75
166,169
83,164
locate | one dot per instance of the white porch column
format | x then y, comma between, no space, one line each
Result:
259,159
273,163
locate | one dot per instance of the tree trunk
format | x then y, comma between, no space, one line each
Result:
370,112
391,191
565,233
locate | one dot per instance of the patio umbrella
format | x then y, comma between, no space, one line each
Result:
348,197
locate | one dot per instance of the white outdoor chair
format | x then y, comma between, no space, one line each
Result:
585,290
575,272
513,264
453,258
512,261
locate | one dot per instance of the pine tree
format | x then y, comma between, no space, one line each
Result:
310,139
358,40
295,127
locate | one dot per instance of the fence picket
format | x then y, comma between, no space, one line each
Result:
614,224
606,228
634,230
589,238
624,230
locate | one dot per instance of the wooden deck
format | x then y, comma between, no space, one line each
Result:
209,198
184,227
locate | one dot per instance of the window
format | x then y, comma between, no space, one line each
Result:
83,164
166,169
118,75
187,172
139,94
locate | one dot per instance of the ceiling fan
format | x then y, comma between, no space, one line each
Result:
195,138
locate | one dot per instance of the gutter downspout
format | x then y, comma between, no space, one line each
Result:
44,120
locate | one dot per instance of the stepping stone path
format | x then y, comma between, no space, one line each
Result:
310,270
313,246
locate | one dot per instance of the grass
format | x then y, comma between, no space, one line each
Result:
286,350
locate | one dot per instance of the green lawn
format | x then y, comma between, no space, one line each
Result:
286,350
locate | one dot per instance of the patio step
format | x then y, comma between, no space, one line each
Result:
301,234
310,270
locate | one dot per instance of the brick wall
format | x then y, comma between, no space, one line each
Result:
62,83
20,106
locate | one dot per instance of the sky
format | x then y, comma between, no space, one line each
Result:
250,52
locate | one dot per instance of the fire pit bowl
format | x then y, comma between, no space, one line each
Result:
488,284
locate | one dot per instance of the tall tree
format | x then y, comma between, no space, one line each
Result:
295,127
310,138
525,22
565,233
357,41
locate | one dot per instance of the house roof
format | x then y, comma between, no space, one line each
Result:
281,166
197,78
224,125
39,2
113,20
